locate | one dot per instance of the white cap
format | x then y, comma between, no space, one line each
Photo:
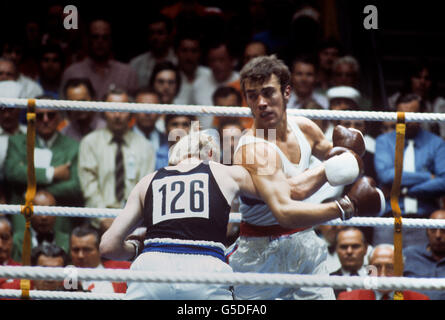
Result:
344,92
10,89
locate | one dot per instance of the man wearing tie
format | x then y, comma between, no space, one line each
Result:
351,248
423,176
113,159
55,161
382,259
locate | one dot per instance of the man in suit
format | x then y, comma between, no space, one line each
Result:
84,253
351,248
55,160
42,228
382,258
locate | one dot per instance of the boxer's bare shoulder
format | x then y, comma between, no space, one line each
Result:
258,158
314,135
142,186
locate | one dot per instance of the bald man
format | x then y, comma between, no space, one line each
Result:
428,260
382,258
43,228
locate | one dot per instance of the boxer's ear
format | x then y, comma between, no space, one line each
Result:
287,92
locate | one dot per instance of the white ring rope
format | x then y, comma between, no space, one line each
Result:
216,110
60,295
235,278
235,217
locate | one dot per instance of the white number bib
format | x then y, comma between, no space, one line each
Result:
181,197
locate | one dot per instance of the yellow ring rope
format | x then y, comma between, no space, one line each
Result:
27,210
395,192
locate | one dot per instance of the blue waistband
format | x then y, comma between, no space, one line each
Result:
185,249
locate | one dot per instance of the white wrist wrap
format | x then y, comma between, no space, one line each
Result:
342,169
137,248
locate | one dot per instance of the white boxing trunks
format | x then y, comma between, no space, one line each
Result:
301,252
179,256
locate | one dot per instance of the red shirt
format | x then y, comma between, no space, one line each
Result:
10,283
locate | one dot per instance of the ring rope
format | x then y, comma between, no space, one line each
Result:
235,278
235,217
199,110
61,295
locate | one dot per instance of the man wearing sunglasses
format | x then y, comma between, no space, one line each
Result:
55,161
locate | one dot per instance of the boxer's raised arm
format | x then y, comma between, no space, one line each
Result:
264,166
113,244
315,136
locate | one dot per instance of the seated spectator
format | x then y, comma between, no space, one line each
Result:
423,176
346,72
6,236
8,71
84,253
427,260
30,88
222,65
328,52
44,229
382,258
225,96
99,66
55,165
80,123
303,84
48,255
166,80
177,126
160,49
420,79
188,50
146,126
341,98
351,247
19,48
51,66
9,120
113,159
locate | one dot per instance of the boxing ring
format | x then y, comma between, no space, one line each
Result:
27,272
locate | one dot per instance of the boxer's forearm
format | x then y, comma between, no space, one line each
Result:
307,183
114,250
297,214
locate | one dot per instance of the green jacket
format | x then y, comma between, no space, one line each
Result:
61,239
67,193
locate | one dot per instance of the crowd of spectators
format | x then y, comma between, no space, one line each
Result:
90,159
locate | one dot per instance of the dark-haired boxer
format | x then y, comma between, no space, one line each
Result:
277,150
185,209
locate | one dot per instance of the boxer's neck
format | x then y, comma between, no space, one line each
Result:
278,132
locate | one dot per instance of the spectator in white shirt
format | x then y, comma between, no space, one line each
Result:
303,84
188,50
222,65
160,48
